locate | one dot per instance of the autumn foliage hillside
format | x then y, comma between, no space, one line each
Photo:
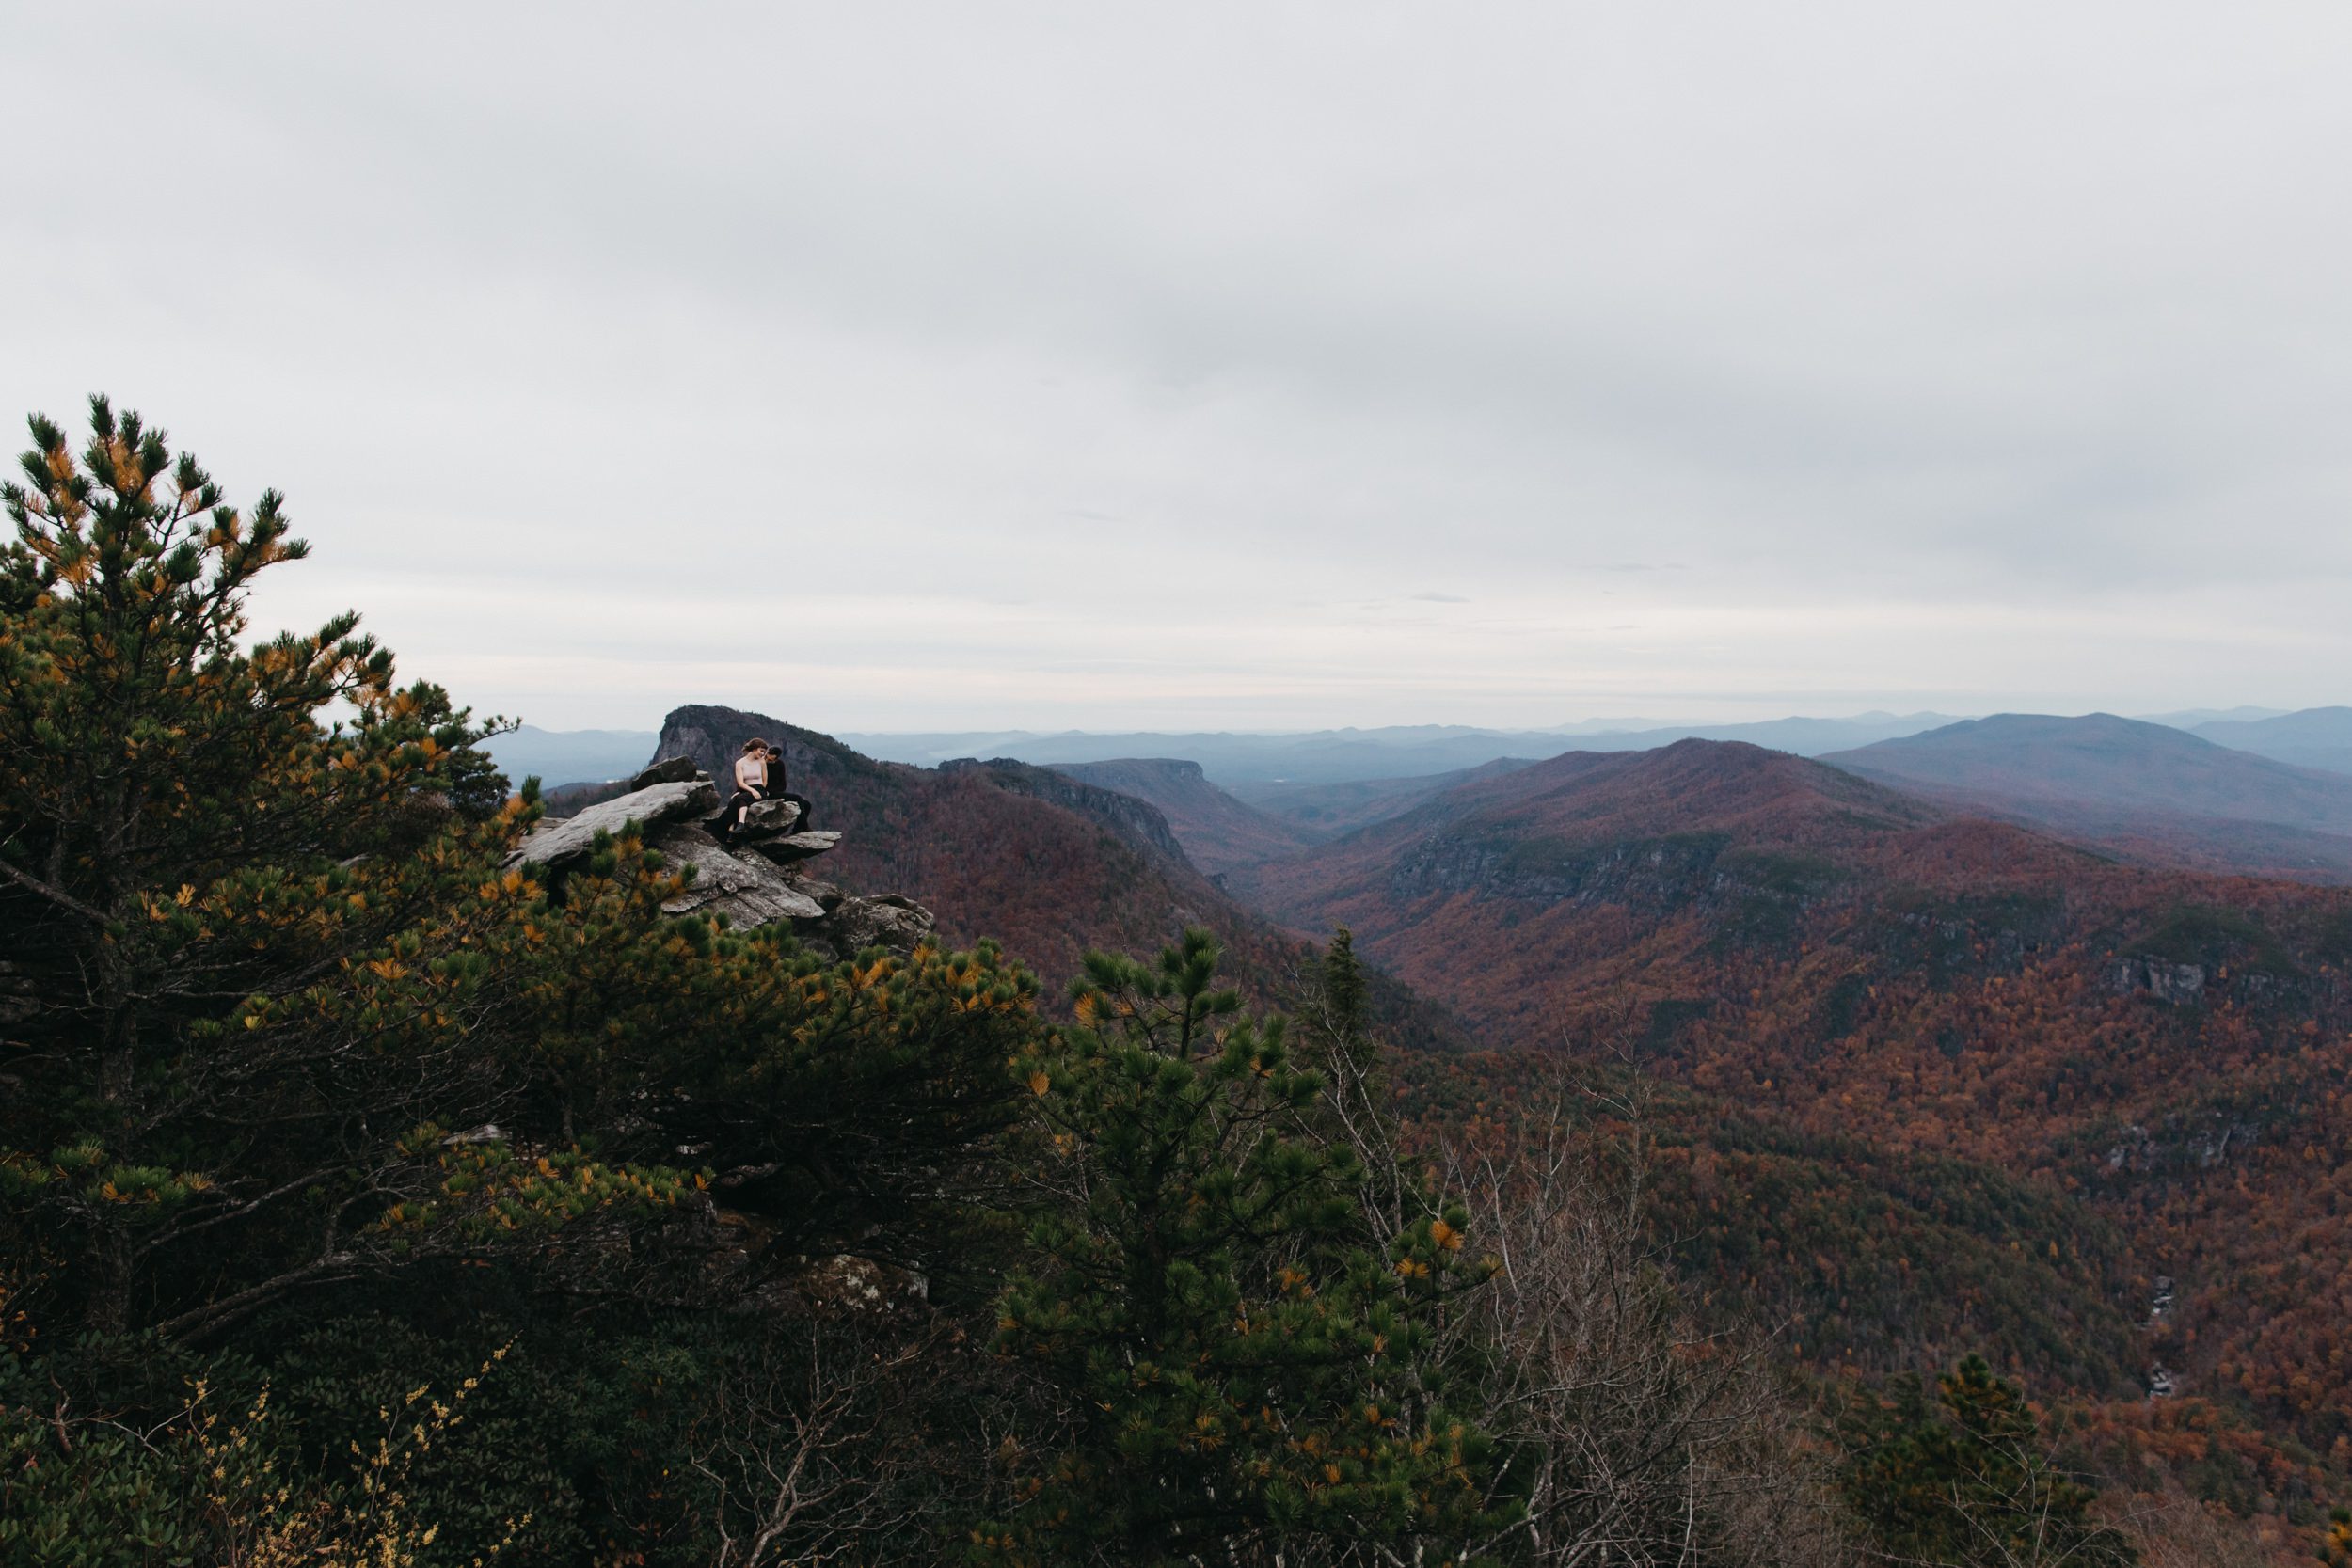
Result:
1862,977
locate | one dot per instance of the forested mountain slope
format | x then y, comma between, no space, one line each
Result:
1842,961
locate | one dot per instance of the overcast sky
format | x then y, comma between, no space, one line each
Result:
979,366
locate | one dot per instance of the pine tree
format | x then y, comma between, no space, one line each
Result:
291,1054
1356,1108
280,1018
1968,1479
1246,1364
180,829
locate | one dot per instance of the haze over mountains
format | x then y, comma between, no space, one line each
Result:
1324,811
1242,761
1395,752
2145,791
2246,790
559,757
2315,737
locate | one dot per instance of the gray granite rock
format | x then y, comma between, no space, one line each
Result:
746,889
855,925
555,844
668,771
798,846
766,819
824,893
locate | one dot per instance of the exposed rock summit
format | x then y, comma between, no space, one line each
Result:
757,879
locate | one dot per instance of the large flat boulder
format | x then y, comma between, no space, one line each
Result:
556,844
824,893
798,846
746,889
669,770
768,819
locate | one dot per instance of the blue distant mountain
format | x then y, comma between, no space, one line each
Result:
1397,752
2315,737
2149,792
560,758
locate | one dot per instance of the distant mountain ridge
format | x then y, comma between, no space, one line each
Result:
2315,737
1232,759
2144,790
1324,811
2318,737
559,757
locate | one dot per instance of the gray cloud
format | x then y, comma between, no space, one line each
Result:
903,366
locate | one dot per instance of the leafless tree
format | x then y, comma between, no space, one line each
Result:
1635,1435
808,1457
2179,1533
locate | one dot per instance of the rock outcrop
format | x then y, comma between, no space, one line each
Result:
766,819
559,845
750,891
759,879
668,771
2179,984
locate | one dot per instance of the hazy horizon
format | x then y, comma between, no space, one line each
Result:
1277,368
1629,723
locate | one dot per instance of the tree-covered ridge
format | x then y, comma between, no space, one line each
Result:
1825,958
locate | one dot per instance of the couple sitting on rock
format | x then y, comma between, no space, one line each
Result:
760,776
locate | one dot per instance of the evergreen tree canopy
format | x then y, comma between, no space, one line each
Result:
186,843
1246,1363
1968,1479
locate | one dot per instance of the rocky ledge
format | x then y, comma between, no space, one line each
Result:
759,878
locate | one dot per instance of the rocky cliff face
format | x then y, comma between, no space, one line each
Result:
760,878
1666,871
1220,833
